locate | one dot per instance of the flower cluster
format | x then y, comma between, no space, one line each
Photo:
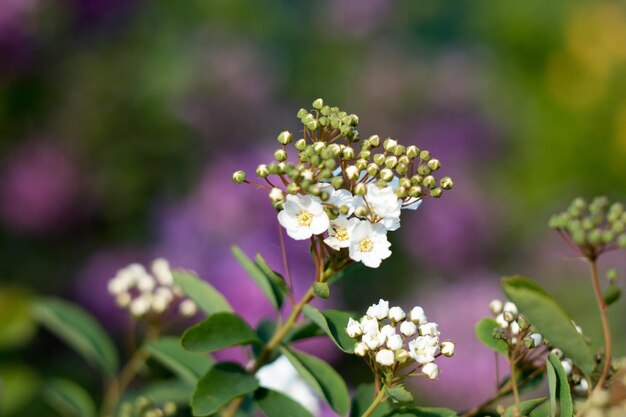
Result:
392,340
593,228
147,295
347,190
518,333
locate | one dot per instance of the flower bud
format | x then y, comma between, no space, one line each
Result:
360,189
277,194
285,137
374,140
557,352
352,172
313,125
582,387
390,144
429,181
293,188
360,349
537,339
361,164
336,182
302,113
424,155
262,171
385,357
239,177
379,159
318,104
423,170
372,169
399,150
446,183
417,315
401,192
188,308
354,119
300,144
496,306
318,147
434,164
567,366
386,174
408,328
394,342
447,349
412,151
430,370
415,192
348,153
436,192
361,211
280,155
621,241
396,314
402,169
508,316
365,154
391,162
402,355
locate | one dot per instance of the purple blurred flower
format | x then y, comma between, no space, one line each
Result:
39,188
357,18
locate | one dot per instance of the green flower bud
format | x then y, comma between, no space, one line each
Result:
618,227
402,169
348,153
326,174
318,104
595,236
285,137
390,145
366,145
372,169
360,189
336,182
365,154
405,182
293,188
361,211
374,140
404,160
273,168
345,130
446,183
425,155
334,149
318,147
401,192
324,196
355,120
302,113
579,237
276,195
423,170
401,355
399,150
321,290
391,162
325,111
324,121
344,210
314,190
262,171
300,144
436,192
313,125
621,241
612,274
239,177
434,164
347,121
280,155
416,179
429,181
330,164
379,159
415,191
607,237
361,164
386,174
352,172
412,151
335,123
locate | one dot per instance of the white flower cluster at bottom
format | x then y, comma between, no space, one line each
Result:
390,337
143,294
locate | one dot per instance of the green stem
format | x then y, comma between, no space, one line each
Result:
605,324
379,398
515,389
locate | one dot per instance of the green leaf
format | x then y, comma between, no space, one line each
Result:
363,398
202,293
79,330
558,384
421,412
321,290
322,378
20,384
550,320
69,399
525,407
344,272
333,323
16,322
305,331
219,331
175,390
187,365
275,404
400,394
272,285
612,294
222,384
484,333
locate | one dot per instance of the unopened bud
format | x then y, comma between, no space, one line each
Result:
429,181
446,183
361,164
318,147
239,177
436,192
293,188
285,137
360,189
434,164
318,104
365,154
280,155
361,211
399,150
336,182
390,144
425,155
374,140
262,171
401,192
447,349
415,191
386,174
300,144
402,169
352,172
348,153
412,151
276,194
391,162
372,169
402,355
379,159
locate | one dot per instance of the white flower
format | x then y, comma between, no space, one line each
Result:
423,349
408,328
162,272
567,366
339,197
515,329
276,194
385,357
188,308
394,342
388,330
429,329
369,244
396,314
537,339
582,387
430,370
417,315
352,172
340,231
369,324
501,322
354,328
146,283
447,349
123,299
374,340
281,376
510,307
360,349
303,217
160,303
378,311
496,306
384,203
140,305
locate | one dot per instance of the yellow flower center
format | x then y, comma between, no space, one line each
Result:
305,218
341,234
366,245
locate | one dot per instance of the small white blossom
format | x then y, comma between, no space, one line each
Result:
582,387
352,172
429,329
303,216
515,329
508,316
395,342
378,311
369,244
388,330
140,305
369,324
408,328
423,349
417,315
384,205
123,299
276,194
567,366
361,349
160,303
340,231
385,357
339,197
188,308
162,272
374,340
511,308
430,370
501,322
146,283
496,306
396,314
354,328
447,349
537,339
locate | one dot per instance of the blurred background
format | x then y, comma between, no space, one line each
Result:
121,122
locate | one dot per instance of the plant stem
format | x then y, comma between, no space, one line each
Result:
379,398
515,389
605,324
117,387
